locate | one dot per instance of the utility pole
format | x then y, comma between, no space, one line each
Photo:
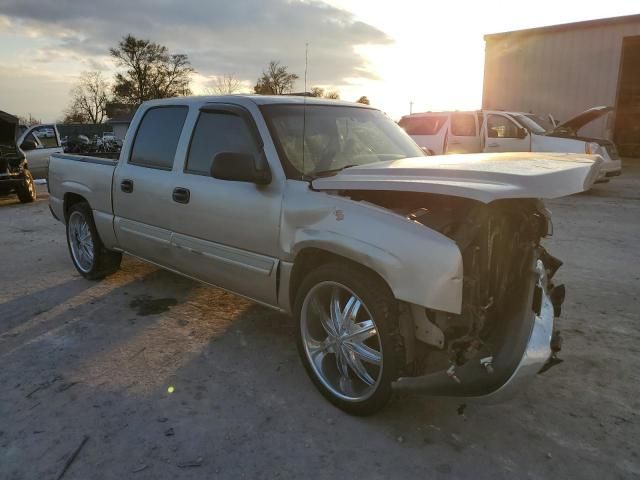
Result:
410,107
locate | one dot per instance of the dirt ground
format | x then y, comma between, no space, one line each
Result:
171,379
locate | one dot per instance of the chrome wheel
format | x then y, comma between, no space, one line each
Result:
341,341
80,241
31,187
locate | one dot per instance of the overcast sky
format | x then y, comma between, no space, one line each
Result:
393,52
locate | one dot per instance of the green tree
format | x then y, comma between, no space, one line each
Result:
275,80
364,100
150,71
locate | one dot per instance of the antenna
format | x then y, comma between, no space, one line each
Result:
304,102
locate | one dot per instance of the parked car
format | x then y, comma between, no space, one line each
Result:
38,142
498,131
401,270
45,132
15,176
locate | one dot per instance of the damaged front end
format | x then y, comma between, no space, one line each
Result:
12,159
505,332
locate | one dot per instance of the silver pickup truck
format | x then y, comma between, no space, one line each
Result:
402,271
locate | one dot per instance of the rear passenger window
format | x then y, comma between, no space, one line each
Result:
499,126
215,133
156,140
463,125
423,125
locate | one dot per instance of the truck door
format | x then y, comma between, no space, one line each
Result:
226,232
464,134
143,186
47,142
502,134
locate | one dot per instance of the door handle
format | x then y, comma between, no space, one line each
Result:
126,186
181,195
493,145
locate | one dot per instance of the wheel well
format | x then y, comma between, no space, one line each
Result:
310,258
71,199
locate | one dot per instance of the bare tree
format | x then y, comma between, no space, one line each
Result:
276,80
150,71
226,84
320,92
73,116
29,120
88,99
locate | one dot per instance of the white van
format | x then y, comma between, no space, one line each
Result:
499,131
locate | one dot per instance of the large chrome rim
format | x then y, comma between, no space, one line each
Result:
31,186
341,341
80,241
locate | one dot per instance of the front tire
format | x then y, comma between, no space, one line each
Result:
88,254
27,192
348,337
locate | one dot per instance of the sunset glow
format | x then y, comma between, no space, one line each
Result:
421,52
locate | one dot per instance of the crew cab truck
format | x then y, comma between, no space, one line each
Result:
15,175
500,131
402,272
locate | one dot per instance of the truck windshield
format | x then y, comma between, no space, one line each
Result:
336,137
534,123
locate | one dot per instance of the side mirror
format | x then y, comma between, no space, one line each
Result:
522,132
28,145
241,167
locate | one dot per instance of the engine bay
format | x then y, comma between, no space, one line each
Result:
499,242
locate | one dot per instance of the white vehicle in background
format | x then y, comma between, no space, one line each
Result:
39,142
498,131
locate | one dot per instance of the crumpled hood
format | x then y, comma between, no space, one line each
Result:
579,121
484,177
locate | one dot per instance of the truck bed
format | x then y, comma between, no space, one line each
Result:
89,177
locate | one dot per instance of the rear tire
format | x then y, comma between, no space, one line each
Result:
27,192
88,254
354,366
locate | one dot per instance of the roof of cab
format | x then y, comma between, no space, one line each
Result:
257,99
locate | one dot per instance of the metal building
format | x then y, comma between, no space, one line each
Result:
565,69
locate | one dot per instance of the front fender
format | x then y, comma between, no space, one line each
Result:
420,265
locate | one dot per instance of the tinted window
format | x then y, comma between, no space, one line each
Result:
215,133
157,137
463,124
501,127
423,125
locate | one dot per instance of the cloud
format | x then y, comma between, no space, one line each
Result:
30,90
220,36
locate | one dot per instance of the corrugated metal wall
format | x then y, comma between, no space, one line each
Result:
561,71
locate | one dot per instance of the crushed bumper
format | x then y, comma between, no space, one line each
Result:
527,351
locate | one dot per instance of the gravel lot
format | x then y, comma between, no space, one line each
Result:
171,379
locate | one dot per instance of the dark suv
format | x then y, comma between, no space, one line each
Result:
15,176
